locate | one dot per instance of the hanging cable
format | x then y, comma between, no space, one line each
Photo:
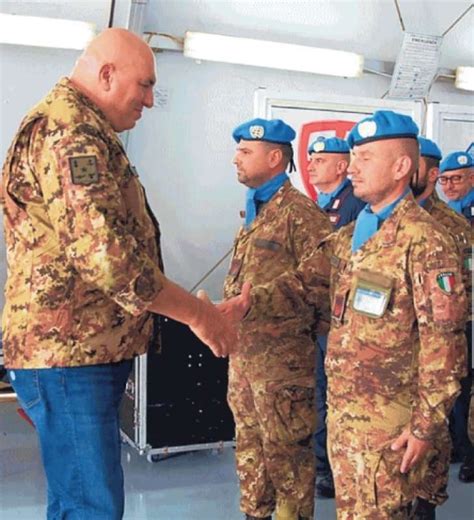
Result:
458,19
400,15
112,12
213,268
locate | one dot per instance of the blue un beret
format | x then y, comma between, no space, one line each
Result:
329,145
272,130
456,161
383,124
429,148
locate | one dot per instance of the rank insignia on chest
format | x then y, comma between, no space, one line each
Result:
336,204
235,266
84,170
338,306
446,281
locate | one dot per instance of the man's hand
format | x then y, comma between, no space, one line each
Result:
237,307
216,326
415,449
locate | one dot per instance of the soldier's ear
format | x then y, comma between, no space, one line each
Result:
342,166
106,75
275,157
433,174
403,166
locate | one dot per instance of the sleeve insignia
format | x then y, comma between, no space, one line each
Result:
446,282
84,170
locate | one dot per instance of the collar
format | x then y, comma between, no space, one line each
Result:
66,85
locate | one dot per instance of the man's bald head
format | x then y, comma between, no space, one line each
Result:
117,72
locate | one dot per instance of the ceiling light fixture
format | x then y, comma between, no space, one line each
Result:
465,78
45,32
260,53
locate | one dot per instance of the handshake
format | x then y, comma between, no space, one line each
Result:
216,325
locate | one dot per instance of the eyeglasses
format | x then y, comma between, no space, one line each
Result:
455,179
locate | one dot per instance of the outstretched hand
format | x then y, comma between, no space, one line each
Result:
216,325
237,307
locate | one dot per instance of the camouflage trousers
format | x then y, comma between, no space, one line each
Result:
367,478
275,421
434,484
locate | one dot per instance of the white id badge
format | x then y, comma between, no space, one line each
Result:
371,293
369,301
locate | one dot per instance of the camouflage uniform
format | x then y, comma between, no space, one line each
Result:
461,232
82,246
397,369
271,379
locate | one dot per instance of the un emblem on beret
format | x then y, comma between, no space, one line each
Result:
257,131
318,146
462,160
367,128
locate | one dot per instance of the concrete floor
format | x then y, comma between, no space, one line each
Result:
193,486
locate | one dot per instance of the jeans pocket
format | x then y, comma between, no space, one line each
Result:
26,385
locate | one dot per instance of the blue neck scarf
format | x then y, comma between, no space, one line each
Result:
459,205
422,202
325,198
368,222
261,194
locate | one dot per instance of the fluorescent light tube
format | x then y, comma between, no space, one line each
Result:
45,32
260,53
464,78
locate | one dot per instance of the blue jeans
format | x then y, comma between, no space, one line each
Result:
320,436
75,413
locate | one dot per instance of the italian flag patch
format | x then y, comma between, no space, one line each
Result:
446,282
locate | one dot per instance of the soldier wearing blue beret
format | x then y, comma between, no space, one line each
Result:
396,344
456,179
271,379
423,187
329,159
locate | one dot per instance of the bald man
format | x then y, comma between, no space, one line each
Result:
396,338
85,273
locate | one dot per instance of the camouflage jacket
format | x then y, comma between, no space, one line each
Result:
278,255
396,348
461,231
82,247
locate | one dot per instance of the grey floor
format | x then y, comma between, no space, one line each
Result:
194,486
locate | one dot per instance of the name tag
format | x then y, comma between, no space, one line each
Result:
271,245
371,294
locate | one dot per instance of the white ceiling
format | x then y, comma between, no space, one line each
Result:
369,27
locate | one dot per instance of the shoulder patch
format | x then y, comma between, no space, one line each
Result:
446,281
84,170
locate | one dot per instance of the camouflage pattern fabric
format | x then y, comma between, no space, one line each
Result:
393,367
461,232
82,247
435,486
271,378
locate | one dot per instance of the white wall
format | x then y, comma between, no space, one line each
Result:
184,149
